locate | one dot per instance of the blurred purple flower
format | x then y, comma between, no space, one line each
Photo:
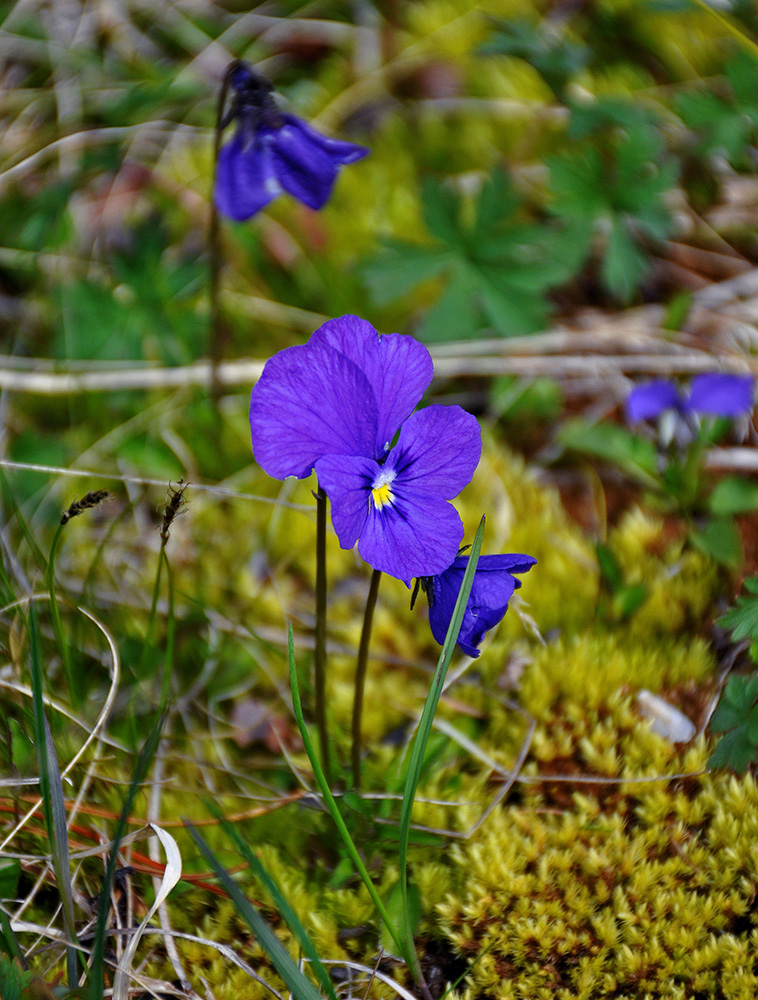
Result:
336,404
272,152
716,394
493,587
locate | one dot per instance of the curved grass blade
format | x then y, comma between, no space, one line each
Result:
409,956
425,727
300,987
282,904
53,801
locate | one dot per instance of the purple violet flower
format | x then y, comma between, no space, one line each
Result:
335,404
493,587
272,152
715,394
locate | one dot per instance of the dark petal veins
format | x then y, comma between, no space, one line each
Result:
310,402
437,452
398,367
347,481
722,395
646,402
416,535
245,179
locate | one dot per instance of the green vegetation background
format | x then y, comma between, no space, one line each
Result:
527,161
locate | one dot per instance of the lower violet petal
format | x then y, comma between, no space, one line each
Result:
347,482
303,167
245,181
412,536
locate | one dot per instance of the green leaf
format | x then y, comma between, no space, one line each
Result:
300,987
737,717
400,267
742,619
456,315
615,444
441,206
720,539
624,264
733,496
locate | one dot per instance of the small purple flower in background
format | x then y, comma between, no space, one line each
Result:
492,589
716,394
272,152
335,404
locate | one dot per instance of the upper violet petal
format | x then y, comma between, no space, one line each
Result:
415,535
398,367
245,180
347,481
721,395
310,402
437,452
648,401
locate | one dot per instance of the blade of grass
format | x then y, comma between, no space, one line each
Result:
60,637
53,801
282,904
145,759
8,497
300,987
425,727
334,809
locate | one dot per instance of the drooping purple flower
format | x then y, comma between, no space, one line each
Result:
272,152
715,394
492,589
336,404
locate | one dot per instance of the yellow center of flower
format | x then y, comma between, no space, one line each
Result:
382,495
381,492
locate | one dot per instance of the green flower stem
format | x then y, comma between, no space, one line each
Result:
319,650
360,674
218,331
334,810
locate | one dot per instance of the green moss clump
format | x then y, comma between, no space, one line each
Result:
648,893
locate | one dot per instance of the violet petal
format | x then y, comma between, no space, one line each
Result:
721,395
648,401
398,367
310,402
245,179
437,452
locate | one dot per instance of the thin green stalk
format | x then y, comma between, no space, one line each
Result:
424,729
319,649
334,809
170,631
60,638
218,331
360,674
